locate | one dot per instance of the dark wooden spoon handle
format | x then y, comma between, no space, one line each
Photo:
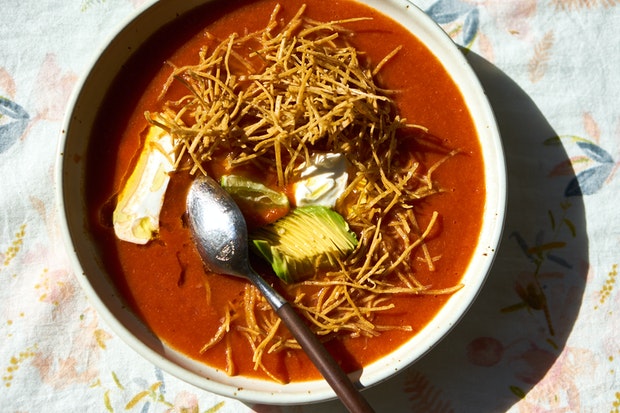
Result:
324,362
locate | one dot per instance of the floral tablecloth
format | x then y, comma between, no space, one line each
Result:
542,337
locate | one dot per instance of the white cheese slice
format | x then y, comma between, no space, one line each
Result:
136,216
322,181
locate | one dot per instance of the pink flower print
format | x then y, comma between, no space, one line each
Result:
7,84
62,367
53,89
424,395
185,402
485,351
558,392
527,365
53,287
512,16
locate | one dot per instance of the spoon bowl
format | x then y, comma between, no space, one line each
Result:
218,227
221,237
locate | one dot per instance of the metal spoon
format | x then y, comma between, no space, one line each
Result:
221,236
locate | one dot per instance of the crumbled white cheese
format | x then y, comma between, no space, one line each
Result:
136,216
322,181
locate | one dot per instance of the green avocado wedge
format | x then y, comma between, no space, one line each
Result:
306,239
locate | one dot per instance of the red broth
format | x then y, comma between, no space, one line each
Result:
164,281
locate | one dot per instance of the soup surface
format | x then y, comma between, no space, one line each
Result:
165,282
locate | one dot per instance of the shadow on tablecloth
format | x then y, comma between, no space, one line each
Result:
516,330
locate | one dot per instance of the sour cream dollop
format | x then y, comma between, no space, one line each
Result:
322,181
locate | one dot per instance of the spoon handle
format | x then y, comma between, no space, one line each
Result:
324,362
316,351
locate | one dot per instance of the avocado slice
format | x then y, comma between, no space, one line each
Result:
306,239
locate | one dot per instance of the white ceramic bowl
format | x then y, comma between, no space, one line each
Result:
104,296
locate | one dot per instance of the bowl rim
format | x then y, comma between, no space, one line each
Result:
135,335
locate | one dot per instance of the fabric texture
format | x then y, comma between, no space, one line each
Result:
543,336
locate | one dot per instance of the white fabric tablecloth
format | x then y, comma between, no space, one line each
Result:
542,337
